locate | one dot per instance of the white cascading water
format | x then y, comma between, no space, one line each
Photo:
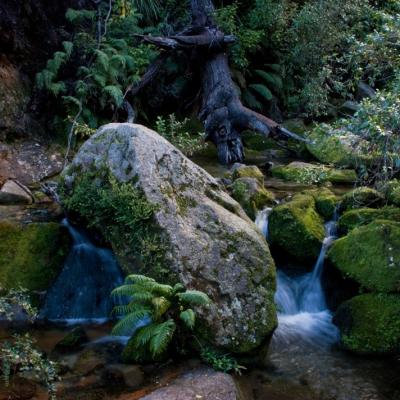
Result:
302,310
82,290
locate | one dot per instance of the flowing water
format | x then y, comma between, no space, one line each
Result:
82,290
305,360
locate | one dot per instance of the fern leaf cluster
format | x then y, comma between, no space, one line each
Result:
165,306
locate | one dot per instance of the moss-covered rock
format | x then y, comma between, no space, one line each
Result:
370,255
72,341
251,195
361,197
258,142
297,229
313,173
363,216
332,146
370,324
247,171
392,191
325,201
31,256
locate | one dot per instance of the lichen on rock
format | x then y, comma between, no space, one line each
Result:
208,242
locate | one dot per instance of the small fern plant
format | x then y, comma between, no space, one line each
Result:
166,309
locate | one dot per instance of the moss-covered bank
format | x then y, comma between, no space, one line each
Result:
31,256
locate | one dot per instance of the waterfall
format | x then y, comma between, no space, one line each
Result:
262,220
82,290
302,310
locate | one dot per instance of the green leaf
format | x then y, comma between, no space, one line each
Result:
188,317
262,90
68,47
144,334
194,297
102,59
133,278
115,93
124,290
272,79
161,306
251,101
131,320
57,87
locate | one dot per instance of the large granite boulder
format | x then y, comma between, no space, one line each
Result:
166,217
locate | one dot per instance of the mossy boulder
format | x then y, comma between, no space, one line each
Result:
247,171
72,341
370,324
370,255
325,201
297,229
258,142
333,146
392,191
361,197
251,195
307,173
167,218
31,256
363,216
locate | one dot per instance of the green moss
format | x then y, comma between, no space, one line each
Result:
311,173
363,216
361,197
370,255
370,324
248,171
31,256
121,212
258,142
297,229
251,195
325,201
392,191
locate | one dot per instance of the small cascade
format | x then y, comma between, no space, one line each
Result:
302,308
82,290
262,221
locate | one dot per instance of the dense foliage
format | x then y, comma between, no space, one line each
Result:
166,309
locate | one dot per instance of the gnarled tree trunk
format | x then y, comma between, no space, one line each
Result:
222,112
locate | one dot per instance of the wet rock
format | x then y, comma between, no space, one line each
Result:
361,197
325,201
307,173
31,256
130,375
370,255
210,243
73,341
29,162
13,192
296,228
89,361
246,171
202,383
251,195
369,324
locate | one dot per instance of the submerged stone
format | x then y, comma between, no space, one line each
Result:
370,324
370,255
169,219
297,229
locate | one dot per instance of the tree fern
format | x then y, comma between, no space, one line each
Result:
161,306
273,80
251,101
115,93
130,321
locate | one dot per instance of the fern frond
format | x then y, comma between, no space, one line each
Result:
274,67
68,47
161,306
143,297
178,287
118,60
188,317
156,288
274,80
44,79
57,87
162,337
55,63
262,90
251,101
194,297
130,321
115,93
133,278
100,79
144,334
124,290
102,59
71,99
77,16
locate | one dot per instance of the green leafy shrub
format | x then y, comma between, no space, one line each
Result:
221,362
16,299
167,307
177,133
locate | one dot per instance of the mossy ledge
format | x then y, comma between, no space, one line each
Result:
124,217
